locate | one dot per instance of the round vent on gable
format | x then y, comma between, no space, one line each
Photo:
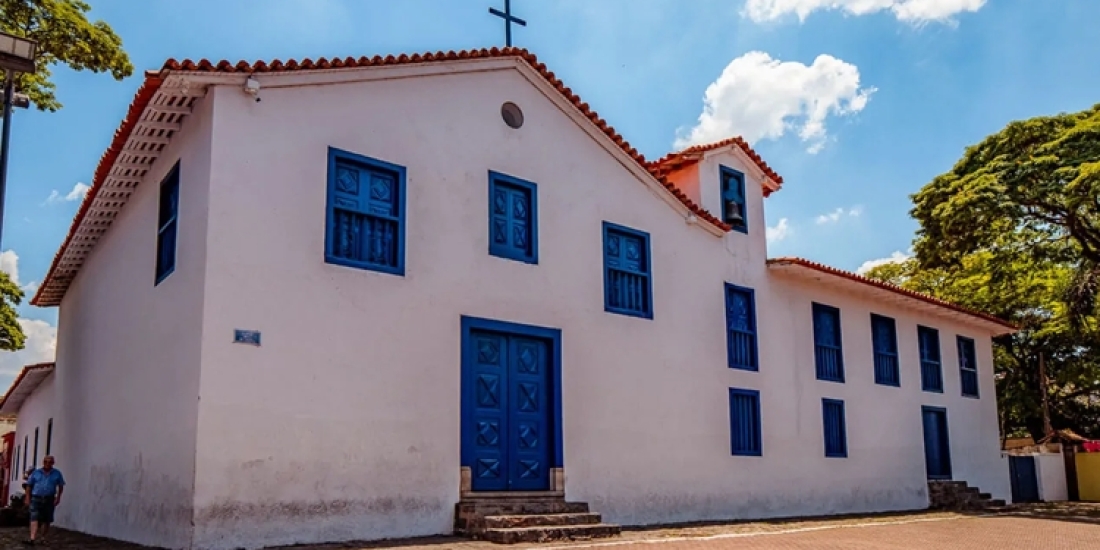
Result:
511,114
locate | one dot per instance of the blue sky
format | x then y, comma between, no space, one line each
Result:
856,107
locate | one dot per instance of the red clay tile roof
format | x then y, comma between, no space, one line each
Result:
153,81
133,114
892,288
19,380
694,154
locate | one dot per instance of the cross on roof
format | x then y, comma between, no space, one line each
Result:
508,18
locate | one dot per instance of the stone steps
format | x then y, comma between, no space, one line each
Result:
959,495
508,520
536,520
547,533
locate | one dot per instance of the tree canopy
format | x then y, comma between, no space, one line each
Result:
1013,229
11,333
64,35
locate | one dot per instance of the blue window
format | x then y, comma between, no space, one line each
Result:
167,220
745,422
365,222
836,433
968,366
931,371
513,219
884,342
828,355
733,199
741,328
628,284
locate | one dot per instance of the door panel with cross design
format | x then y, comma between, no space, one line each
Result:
509,425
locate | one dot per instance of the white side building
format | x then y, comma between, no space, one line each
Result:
30,399
329,300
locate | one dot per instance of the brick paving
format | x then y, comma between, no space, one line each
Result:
1049,526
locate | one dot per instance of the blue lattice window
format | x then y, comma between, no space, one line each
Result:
734,211
513,218
931,369
968,366
745,423
741,346
828,352
365,226
167,222
836,433
627,282
884,342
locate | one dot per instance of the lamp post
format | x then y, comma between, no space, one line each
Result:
16,56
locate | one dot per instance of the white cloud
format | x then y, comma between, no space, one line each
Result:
781,231
40,347
835,215
41,337
9,263
75,194
910,11
758,97
896,258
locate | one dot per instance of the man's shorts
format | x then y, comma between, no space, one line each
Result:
42,509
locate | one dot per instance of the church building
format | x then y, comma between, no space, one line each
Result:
355,299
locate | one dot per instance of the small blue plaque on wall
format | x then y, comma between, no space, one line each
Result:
246,337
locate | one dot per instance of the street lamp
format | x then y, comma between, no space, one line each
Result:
16,56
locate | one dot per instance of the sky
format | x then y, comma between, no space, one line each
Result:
856,103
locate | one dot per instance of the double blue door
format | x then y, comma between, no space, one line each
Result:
506,431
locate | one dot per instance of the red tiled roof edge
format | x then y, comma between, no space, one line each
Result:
153,82
693,154
19,379
244,67
137,107
892,288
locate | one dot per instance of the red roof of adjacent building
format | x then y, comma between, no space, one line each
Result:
808,264
153,81
692,155
24,385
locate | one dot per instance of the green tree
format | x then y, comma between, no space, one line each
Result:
1013,229
64,35
1032,188
11,334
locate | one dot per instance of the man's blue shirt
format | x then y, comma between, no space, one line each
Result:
44,484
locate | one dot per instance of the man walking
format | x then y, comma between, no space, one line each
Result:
44,489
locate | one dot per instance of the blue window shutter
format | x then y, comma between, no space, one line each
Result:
968,366
931,369
745,439
628,281
828,352
836,432
884,340
734,207
167,222
513,218
365,226
741,340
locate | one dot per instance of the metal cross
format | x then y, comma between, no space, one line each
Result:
508,18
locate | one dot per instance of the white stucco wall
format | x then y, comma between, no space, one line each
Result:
1051,471
35,413
128,364
344,423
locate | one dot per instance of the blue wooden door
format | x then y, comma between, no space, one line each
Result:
1025,481
508,428
937,448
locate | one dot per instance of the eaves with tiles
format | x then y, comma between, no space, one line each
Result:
166,98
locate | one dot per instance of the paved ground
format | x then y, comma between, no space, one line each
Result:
1050,527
